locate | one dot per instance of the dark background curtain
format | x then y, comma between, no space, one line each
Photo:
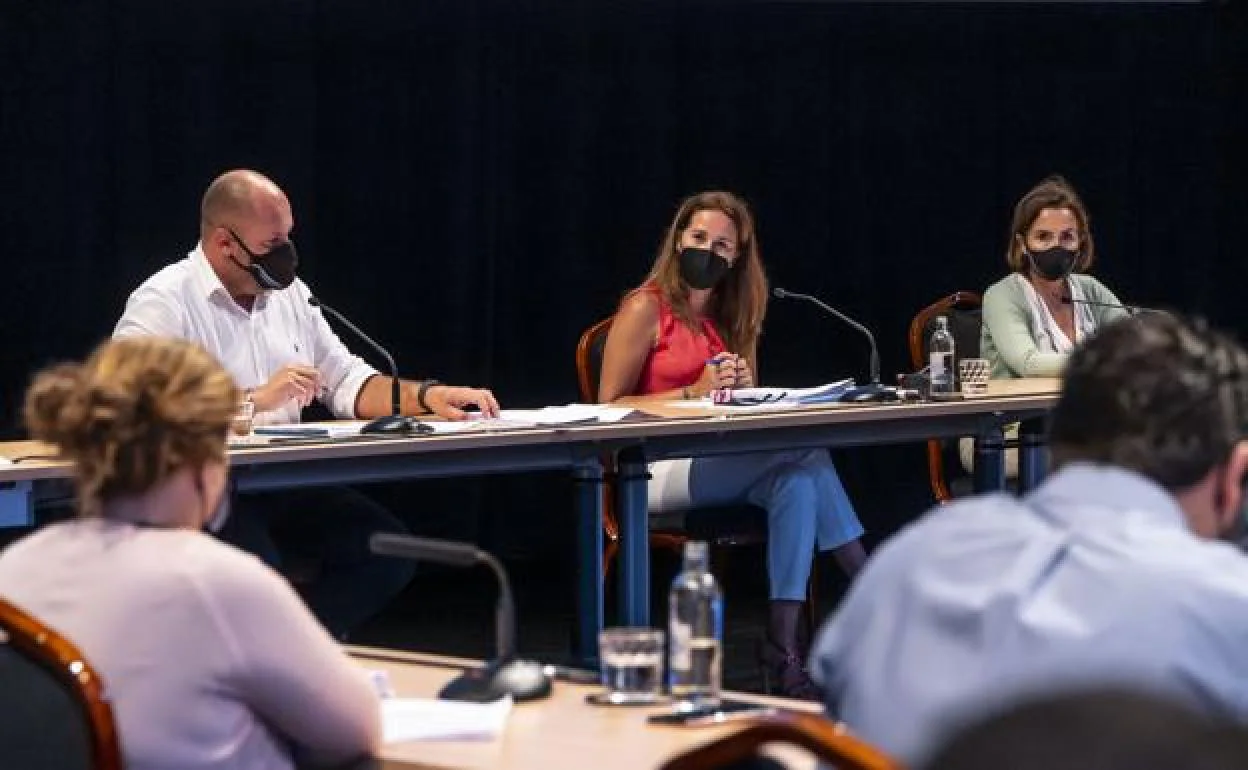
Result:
476,181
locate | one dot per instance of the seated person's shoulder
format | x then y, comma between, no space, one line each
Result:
1003,290
982,522
639,305
999,510
224,570
174,277
1092,287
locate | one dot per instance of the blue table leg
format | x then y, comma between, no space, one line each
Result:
990,459
589,599
634,559
1033,453
17,507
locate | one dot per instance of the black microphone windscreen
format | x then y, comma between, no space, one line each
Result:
313,301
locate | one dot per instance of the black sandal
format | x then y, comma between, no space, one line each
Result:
784,674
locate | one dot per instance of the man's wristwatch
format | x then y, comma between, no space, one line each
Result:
425,385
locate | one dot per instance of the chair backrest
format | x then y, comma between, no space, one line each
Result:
964,311
589,359
829,741
53,713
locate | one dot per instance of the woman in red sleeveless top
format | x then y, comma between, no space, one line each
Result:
691,328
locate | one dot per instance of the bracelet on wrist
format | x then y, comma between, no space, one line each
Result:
422,391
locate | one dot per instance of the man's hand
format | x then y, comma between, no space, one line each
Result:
447,401
292,382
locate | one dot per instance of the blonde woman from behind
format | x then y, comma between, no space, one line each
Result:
209,657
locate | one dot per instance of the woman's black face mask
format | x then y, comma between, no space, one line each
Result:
702,268
1053,264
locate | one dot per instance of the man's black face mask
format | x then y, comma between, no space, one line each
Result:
274,269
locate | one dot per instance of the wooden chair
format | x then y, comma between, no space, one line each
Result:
828,741
53,709
963,309
720,527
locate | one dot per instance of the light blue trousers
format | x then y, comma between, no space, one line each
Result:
805,502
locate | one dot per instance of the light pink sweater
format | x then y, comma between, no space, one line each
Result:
209,657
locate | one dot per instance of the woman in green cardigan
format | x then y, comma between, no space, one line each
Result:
1046,306
1036,315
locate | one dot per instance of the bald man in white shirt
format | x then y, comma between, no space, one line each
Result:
237,295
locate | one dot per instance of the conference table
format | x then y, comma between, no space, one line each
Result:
654,431
562,731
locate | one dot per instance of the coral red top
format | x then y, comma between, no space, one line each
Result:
679,354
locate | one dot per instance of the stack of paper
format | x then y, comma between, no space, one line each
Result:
819,394
772,396
426,719
327,429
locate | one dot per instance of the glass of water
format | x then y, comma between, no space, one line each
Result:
632,665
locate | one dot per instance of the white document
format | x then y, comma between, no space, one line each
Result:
546,417
427,719
568,415
5,461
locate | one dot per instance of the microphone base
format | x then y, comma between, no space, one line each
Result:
871,393
521,679
395,425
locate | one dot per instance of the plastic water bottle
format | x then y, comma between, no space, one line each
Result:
940,359
695,632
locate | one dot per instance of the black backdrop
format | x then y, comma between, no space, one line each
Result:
478,180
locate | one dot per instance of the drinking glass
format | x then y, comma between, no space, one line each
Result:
632,665
973,373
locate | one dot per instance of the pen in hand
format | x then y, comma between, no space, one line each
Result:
724,370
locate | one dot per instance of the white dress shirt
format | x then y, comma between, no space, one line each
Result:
1092,579
187,300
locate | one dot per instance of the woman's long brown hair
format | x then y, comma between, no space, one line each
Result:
739,301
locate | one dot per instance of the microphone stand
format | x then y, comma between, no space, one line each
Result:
874,390
1131,309
395,423
505,675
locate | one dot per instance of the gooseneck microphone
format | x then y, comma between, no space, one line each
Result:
521,679
871,392
395,424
